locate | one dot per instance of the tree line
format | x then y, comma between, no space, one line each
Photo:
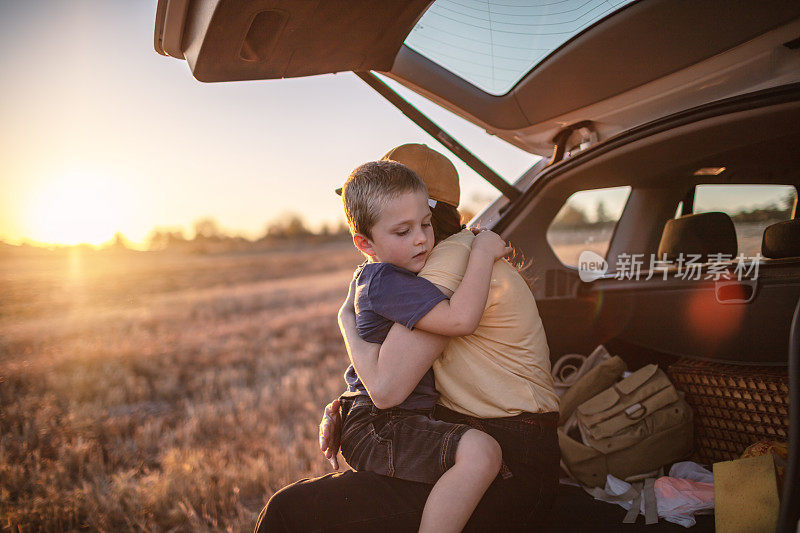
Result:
573,216
208,233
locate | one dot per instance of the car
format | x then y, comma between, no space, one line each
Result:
663,117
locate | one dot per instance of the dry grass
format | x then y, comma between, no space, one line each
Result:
158,391
163,392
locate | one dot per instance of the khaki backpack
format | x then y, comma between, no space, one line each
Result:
631,427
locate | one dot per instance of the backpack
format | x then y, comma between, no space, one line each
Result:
630,428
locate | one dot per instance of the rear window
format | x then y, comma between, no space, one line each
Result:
586,221
492,44
751,207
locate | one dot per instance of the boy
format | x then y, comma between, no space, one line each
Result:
386,205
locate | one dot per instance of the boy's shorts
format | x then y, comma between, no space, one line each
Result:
406,444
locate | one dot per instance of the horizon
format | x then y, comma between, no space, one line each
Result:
207,229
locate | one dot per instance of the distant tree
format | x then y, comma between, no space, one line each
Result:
119,242
601,215
175,237
775,212
156,240
275,230
207,228
570,216
296,227
163,238
342,228
787,202
289,226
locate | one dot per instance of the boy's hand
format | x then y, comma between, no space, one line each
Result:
490,243
330,429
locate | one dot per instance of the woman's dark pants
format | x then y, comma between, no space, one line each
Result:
363,501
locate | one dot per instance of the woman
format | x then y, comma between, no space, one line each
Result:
496,380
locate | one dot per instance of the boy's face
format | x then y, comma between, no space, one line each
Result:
402,235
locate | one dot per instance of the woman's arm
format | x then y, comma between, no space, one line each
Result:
362,354
391,370
406,356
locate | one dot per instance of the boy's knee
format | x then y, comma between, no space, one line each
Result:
481,451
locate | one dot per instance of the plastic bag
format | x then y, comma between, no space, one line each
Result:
688,490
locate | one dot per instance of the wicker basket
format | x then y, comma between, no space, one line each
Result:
734,406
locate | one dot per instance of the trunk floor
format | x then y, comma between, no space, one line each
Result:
574,510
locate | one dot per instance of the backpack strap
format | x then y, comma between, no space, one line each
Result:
650,507
633,512
600,494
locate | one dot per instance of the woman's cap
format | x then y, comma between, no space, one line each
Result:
438,172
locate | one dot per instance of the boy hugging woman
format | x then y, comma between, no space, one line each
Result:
387,208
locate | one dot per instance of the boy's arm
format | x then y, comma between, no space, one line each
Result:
462,313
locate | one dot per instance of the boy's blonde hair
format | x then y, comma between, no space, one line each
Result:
370,187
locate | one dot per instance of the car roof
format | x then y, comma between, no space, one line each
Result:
648,60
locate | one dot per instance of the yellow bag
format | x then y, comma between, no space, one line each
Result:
746,495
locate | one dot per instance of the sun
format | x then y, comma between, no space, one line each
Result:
77,207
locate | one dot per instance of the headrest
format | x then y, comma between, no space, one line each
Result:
698,234
782,240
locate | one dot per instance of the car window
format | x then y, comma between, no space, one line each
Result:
751,207
493,44
586,222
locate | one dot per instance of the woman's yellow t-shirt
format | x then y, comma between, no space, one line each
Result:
503,368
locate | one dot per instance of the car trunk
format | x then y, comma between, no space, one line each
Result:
667,321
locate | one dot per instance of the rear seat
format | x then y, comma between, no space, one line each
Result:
698,234
782,240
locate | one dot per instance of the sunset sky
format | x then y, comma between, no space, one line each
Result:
98,133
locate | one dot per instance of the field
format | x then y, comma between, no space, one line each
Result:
159,391
170,391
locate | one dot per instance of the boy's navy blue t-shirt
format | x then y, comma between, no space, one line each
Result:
386,294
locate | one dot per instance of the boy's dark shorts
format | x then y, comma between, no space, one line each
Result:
406,444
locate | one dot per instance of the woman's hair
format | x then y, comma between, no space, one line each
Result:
446,221
518,261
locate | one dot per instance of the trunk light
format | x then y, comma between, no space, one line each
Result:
709,171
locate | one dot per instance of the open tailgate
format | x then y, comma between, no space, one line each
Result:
228,40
